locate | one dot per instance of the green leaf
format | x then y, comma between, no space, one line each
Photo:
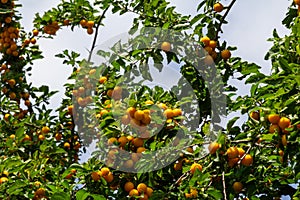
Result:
280,92
249,69
255,78
298,49
98,197
197,18
5,11
287,21
253,89
145,71
60,196
82,195
166,25
20,132
53,188
59,151
18,184
216,194
44,89
284,65
267,137
231,123
206,128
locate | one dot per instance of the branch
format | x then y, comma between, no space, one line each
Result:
180,179
96,34
241,158
130,10
223,19
201,158
224,185
31,125
242,141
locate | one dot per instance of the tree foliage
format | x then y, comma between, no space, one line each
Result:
41,147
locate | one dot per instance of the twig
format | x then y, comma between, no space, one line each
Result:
130,10
201,158
224,185
31,125
223,19
182,177
96,34
209,184
241,158
241,141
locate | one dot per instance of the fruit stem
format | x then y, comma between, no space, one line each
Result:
223,19
96,34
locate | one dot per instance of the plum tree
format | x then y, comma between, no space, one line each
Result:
41,148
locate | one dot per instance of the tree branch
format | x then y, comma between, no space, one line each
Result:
223,19
96,34
242,141
224,185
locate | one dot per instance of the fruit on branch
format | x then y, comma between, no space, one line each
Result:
274,128
205,40
255,115
213,147
142,188
3,180
218,7
128,186
35,32
39,193
51,28
209,47
225,54
96,176
237,187
178,166
241,151
192,194
284,140
33,41
232,152
273,118
284,123
90,31
247,160
102,79
194,167
134,193
45,130
232,162
212,44
166,46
